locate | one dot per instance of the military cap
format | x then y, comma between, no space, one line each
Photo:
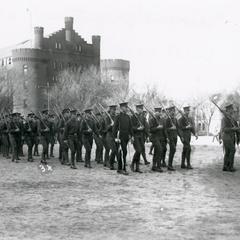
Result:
14,114
45,111
65,110
158,109
74,111
229,106
170,108
98,114
112,106
88,110
187,107
140,105
123,104
30,114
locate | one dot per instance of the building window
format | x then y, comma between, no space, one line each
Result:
54,65
58,45
25,69
2,62
112,78
79,48
9,60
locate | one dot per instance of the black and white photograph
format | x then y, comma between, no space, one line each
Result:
120,120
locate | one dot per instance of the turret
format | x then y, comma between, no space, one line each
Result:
96,40
68,28
38,37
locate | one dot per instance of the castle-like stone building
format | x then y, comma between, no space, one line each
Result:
36,64
116,71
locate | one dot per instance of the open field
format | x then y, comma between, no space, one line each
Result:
100,204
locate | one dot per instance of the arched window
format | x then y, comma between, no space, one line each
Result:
112,78
58,45
79,48
9,60
25,69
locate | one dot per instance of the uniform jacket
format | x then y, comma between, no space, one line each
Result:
123,125
183,122
157,133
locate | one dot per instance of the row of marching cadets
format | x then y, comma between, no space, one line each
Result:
112,133
15,130
112,130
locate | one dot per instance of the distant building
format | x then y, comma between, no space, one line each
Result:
115,71
37,63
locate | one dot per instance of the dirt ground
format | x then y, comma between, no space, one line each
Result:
100,204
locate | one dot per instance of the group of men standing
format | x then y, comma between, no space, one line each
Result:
112,131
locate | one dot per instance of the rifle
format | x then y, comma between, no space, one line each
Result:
166,112
106,112
133,113
60,113
225,114
41,120
182,114
56,114
152,115
95,118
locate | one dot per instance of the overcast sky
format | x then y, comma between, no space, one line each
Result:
183,47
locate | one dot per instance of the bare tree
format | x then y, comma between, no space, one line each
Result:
79,89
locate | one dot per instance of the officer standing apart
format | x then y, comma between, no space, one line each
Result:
229,133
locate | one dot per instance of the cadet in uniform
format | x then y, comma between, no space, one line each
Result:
80,144
108,138
53,131
13,135
63,146
36,140
156,128
20,135
186,126
44,133
70,136
88,128
139,128
98,138
30,130
5,137
123,128
229,133
146,139
172,131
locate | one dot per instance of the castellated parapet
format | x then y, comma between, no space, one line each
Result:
38,37
37,63
116,71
